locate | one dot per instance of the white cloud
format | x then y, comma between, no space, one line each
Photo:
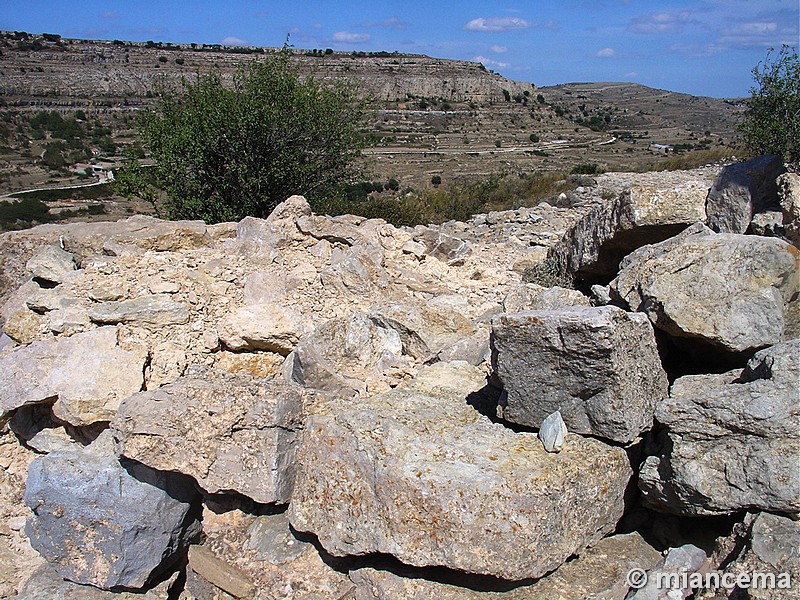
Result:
756,33
488,62
233,41
660,23
498,49
391,22
350,38
497,24
606,53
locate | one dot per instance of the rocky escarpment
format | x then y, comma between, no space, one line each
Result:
314,407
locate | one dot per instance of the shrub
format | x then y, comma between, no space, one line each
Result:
771,123
224,153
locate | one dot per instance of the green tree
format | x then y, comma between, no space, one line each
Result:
226,152
771,123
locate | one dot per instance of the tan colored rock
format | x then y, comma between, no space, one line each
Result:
424,329
51,264
87,375
156,309
270,327
418,473
599,573
343,353
229,432
226,577
789,195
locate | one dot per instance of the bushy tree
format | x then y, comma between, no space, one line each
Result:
771,123
226,152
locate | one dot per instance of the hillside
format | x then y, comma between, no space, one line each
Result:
433,117
666,117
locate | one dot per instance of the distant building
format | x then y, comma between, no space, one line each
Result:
103,173
660,148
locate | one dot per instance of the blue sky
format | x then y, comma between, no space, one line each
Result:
701,47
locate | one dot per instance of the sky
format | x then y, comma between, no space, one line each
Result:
700,47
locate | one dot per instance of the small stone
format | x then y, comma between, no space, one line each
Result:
552,432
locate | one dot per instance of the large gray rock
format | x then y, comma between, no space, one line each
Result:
598,366
229,432
51,264
740,191
107,524
417,473
652,209
726,289
87,374
442,246
46,584
156,309
731,447
341,354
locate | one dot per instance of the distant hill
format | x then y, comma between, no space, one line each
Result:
433,117
668,117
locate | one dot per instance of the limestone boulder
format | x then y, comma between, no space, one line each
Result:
87,375
153,310
740,191
440,245
51,264
256,236
419,474
598,366
651,209
599,572
424,329
104,523
343,353
46,584
231,433
732,446
270,327
789,197
727,289
530,296
332,230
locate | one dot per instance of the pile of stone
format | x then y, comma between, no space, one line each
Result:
315,407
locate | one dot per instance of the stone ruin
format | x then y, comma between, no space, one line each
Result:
309,407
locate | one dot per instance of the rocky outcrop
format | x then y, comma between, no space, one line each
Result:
231,433
103,523
740,191
726,289
598,366
419,474
730,446
651,209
